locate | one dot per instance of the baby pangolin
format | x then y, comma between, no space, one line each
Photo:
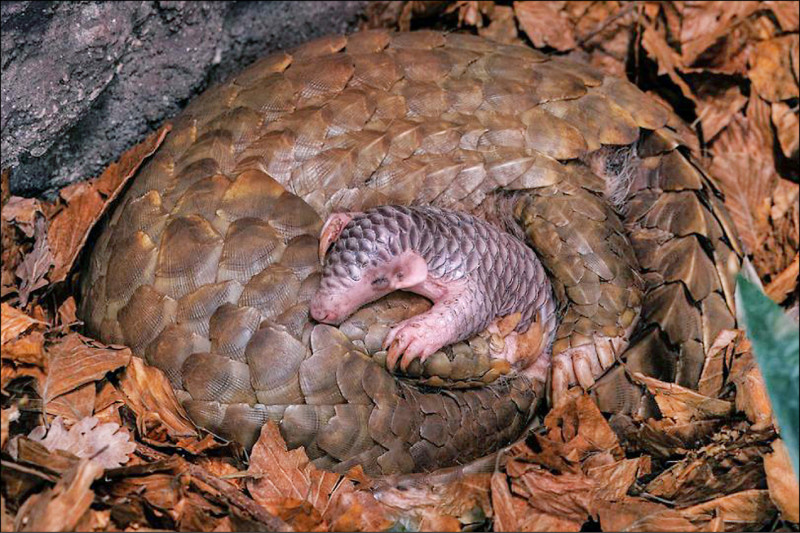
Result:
476,275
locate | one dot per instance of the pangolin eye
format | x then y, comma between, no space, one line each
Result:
380,282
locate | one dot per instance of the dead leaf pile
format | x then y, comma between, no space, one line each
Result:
94,440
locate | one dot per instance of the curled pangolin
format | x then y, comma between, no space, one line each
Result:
207,267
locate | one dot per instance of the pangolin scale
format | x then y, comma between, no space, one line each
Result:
207,266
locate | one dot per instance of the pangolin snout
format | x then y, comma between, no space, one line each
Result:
320,312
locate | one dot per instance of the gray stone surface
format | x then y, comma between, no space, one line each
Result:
82,82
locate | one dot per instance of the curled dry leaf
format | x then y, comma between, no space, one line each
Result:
545,24
76,360
282,478
87,201
682,404
159,416
107,444
60,508
782,481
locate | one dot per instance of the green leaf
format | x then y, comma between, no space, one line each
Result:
776,344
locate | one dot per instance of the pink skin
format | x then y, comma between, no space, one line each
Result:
415,338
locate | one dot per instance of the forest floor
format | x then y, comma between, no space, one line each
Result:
94,440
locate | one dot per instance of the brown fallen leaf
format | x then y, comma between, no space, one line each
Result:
746,178
282,477
502,27
14,323
107,444
752,397
715,111
545,24
74,405
159,416
771,69
565,496
718,361
22,213
782,482
786,12
60,508
67,312
87,201
730,463
637,514
749,510
27,350
785,282
438,502
76,360
512,513
36,263
787,126
7,416
682,404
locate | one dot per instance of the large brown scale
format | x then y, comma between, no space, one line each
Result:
206,267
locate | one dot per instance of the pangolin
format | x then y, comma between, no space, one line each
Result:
209,265
473,272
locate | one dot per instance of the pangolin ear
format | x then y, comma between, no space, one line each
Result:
331,230
410,270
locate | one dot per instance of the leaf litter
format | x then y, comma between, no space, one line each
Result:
93,439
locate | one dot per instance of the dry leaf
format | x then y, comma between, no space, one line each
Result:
36,263
747,179
636,514
283,477
730,463
752,397
14,323
715,111
682,404
67,312
87,201
749,510
22,213
76,360
545,24
782,481
787,126
159,416
74,405
28,350
786,12
785,282
60,508
771,69
107,444
503,26
718,361
7,416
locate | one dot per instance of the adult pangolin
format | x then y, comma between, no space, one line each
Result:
208,266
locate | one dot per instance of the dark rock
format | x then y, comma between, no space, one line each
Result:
82,82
